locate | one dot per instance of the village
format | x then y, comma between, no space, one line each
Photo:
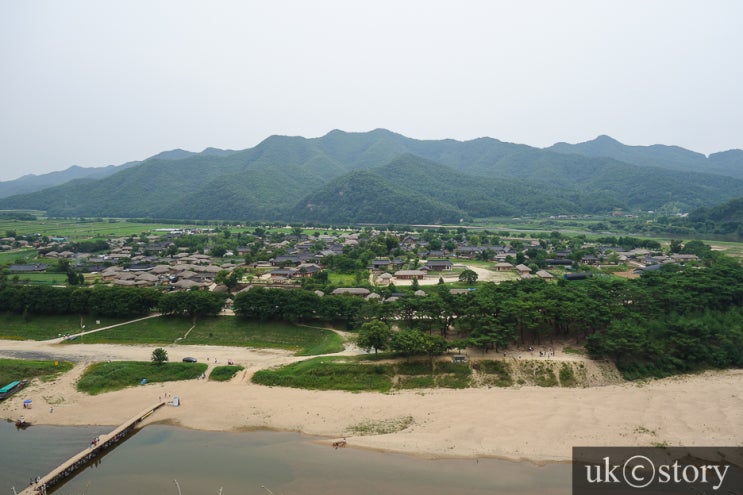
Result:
358,262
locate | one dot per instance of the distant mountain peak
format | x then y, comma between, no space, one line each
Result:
604,139
176,154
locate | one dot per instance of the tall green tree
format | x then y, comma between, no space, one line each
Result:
375,335
468,276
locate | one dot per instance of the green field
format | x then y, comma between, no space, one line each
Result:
224,331
23,369
47,278
41,327
76,229
23,255
116,375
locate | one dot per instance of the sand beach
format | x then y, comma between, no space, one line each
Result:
518,423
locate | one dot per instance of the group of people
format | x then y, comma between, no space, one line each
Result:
548,353
230,362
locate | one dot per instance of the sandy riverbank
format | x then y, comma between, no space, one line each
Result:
539,424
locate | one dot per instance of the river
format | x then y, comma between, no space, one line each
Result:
258,462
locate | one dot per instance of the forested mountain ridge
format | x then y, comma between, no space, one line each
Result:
445,179
31,183
728,163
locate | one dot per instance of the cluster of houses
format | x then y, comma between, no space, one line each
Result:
302,256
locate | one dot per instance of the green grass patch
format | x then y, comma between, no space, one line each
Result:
43,327
21,256
379,356
496,373
358,374
224,331
224,373
342,279
117,375
44,278
541,373
574,350
453,381
567,376
452,375
416,381
415,368
461,369
25,369
328,373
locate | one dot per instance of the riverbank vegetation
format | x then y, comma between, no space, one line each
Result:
361,374
26,369
116,375
224,373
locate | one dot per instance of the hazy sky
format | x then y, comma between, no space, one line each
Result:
93,83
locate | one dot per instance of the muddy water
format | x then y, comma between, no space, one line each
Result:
257,463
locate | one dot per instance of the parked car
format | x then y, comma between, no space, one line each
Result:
189,359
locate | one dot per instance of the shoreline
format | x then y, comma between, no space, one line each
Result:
519,424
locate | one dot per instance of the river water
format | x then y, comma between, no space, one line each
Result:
255,463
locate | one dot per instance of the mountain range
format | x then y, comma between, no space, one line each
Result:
384,177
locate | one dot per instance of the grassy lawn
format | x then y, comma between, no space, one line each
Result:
24,369
107,377
342,279
224,331
41,327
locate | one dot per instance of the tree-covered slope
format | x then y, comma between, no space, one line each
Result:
644,188
252,195
485,196
364,197
731,211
